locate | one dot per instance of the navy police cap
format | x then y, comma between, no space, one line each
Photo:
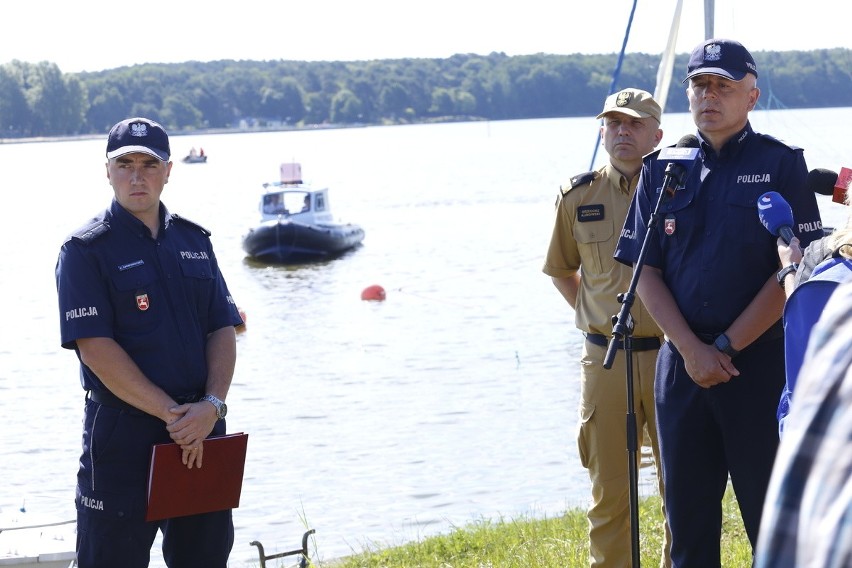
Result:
138,135
723,57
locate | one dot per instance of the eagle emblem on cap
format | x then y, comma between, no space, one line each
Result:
139,129
713,52
623,98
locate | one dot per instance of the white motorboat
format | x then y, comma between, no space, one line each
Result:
296,224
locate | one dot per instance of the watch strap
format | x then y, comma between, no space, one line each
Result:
221,408
723,344
784,272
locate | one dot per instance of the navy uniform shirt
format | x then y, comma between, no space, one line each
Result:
157,298
713,252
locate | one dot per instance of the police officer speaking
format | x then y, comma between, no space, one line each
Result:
710,282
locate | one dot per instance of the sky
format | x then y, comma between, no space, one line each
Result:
92,35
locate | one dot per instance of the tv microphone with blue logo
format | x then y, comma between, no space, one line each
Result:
776,215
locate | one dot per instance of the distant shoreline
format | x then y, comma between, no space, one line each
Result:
251,130
236,130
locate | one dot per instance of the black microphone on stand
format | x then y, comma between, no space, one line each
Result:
680,157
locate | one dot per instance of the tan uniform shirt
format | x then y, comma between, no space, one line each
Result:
589,218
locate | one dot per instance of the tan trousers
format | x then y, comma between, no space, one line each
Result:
602,442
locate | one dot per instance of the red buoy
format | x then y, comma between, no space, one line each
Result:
373,293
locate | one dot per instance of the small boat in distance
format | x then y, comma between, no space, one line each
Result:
296,224
195,157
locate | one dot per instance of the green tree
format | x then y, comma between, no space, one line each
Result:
442,102
465,103
39,100
106,108
393,100
57,102
179,113
317,108
362,88
346,108
14,112
284,102
147,110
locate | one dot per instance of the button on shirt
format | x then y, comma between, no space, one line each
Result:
588,219
157,298
714,253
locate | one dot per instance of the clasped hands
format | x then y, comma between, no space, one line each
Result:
707,366
192,423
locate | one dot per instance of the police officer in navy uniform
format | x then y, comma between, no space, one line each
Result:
590,212
710,281
144,306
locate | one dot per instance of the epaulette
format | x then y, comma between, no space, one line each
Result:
186,221
91,231
580,179
771,138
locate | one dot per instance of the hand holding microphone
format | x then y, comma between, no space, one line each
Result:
790,254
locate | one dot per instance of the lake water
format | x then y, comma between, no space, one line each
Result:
374,423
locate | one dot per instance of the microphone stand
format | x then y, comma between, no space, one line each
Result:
622,329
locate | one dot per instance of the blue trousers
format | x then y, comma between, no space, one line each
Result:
705,435
111,499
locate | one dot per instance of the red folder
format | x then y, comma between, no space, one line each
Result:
176,491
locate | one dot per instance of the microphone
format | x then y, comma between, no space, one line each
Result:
680,158
821,181
776,215
842,186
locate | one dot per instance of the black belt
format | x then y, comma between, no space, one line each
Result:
636,343
106,398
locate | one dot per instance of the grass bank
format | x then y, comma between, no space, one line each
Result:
559,542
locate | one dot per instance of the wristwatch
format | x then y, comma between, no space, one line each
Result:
723,344
782,274
221,407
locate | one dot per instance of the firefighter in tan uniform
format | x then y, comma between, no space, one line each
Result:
590,214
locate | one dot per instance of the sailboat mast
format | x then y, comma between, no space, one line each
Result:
615,75
667,60
709,18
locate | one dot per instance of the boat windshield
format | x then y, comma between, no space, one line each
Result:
286,202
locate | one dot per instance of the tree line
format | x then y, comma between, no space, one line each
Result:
38,99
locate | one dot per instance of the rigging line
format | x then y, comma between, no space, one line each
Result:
615,75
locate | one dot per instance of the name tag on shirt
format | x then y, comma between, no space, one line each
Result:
586,213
